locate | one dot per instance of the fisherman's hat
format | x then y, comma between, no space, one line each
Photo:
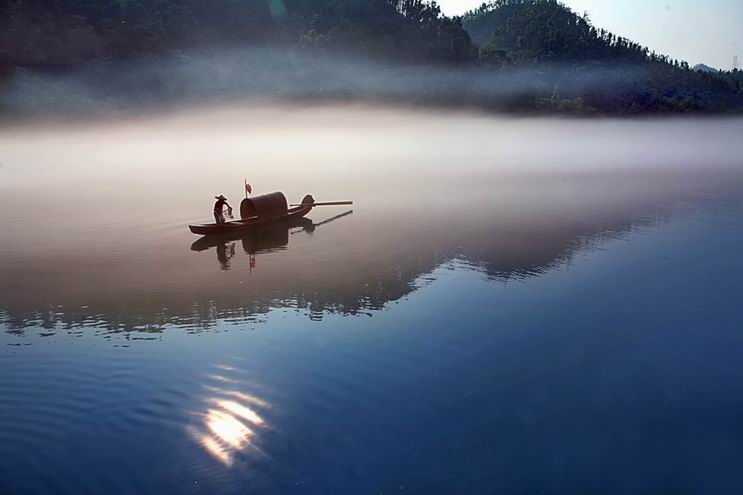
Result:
220,197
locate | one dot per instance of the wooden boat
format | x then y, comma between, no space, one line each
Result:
260,211
269,236
239,226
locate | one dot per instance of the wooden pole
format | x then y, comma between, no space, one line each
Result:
326,203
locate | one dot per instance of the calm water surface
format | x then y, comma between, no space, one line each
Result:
512,306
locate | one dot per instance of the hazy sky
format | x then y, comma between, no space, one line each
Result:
706,31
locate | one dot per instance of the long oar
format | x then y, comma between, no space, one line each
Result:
326,203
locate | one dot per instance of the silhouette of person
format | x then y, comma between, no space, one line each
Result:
218,209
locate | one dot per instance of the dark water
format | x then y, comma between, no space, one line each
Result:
511,307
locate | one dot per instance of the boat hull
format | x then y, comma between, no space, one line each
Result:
241,226
271,236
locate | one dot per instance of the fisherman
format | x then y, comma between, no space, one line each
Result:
218,206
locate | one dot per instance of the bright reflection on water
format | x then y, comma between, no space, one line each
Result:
229,423
512,306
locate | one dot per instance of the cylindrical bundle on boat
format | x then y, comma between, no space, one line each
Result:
264,206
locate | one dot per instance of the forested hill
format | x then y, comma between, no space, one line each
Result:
526,32
54,34
515,55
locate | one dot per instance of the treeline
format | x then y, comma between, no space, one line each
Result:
518,31
523,32
53,34
574,66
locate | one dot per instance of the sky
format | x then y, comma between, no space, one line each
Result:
698,31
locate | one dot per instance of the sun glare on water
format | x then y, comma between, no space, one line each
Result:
228,427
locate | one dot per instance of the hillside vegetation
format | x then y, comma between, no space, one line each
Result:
546,32
60,33
571,65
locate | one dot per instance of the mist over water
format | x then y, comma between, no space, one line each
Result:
512,304
281,75
106,204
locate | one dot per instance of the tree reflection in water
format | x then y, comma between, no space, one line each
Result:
520,227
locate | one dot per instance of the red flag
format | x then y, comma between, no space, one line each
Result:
248,189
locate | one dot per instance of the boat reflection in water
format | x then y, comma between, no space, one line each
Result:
228,426
268,239
506,227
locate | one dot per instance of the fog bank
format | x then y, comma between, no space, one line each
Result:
285,75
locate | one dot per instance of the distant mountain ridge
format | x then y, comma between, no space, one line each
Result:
705,68
516,33
526,31
563,63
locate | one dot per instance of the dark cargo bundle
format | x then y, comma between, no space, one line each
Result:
264,206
